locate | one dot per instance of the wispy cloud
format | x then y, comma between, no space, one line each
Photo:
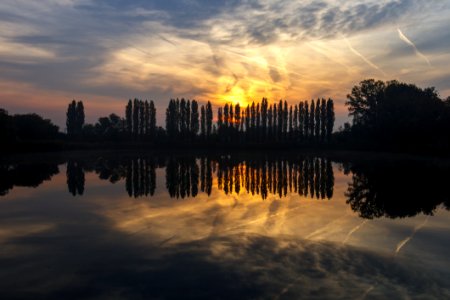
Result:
161,49
366,60
403,242
353,230
409,42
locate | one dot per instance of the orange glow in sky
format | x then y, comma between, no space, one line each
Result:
213,51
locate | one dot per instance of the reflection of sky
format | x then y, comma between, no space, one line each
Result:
104,52
283,247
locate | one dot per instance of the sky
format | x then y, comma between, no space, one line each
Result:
105,52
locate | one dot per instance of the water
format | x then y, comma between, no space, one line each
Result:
223,226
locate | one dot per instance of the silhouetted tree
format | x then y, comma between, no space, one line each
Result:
317,119
152,121
75,118
146,130
141,118
291,124
129,117
7,131
364,100
220,123
312,112
194,118
270,122
135,117
301,120
306,121
280,120
295,126
323,120
33,127
330,118
285,120
203,122
226,116
209,119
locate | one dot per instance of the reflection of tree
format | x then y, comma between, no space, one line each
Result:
397,190
140,177
306,176
75,177
188,175
182,176
29,175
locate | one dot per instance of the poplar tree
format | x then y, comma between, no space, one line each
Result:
306,119
312,112
291,123
203,122
317,117
295,122
323,122
129,117
285,120
209,118
280,120
152,120
301,119
269,121
330,118
135,117
146,118
225,115
71,118
194,118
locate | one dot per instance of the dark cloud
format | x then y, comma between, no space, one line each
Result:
274,74
320,19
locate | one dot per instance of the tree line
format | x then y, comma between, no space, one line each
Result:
189,122
389,115
186,121
396,115
282,123
26,127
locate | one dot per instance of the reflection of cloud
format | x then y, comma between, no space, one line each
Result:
366,292
225,267
402,243
353,230
318,232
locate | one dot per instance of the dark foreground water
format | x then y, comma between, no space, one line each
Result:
223,226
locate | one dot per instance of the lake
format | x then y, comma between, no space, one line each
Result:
223,226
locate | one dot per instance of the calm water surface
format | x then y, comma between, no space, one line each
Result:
223,226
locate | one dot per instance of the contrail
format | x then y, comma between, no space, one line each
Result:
262,218
353,231
406,240
366,292
408,41
250,59
324,228
364,58
324,53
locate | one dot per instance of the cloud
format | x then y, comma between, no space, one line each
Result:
163,49
408,41
366,60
